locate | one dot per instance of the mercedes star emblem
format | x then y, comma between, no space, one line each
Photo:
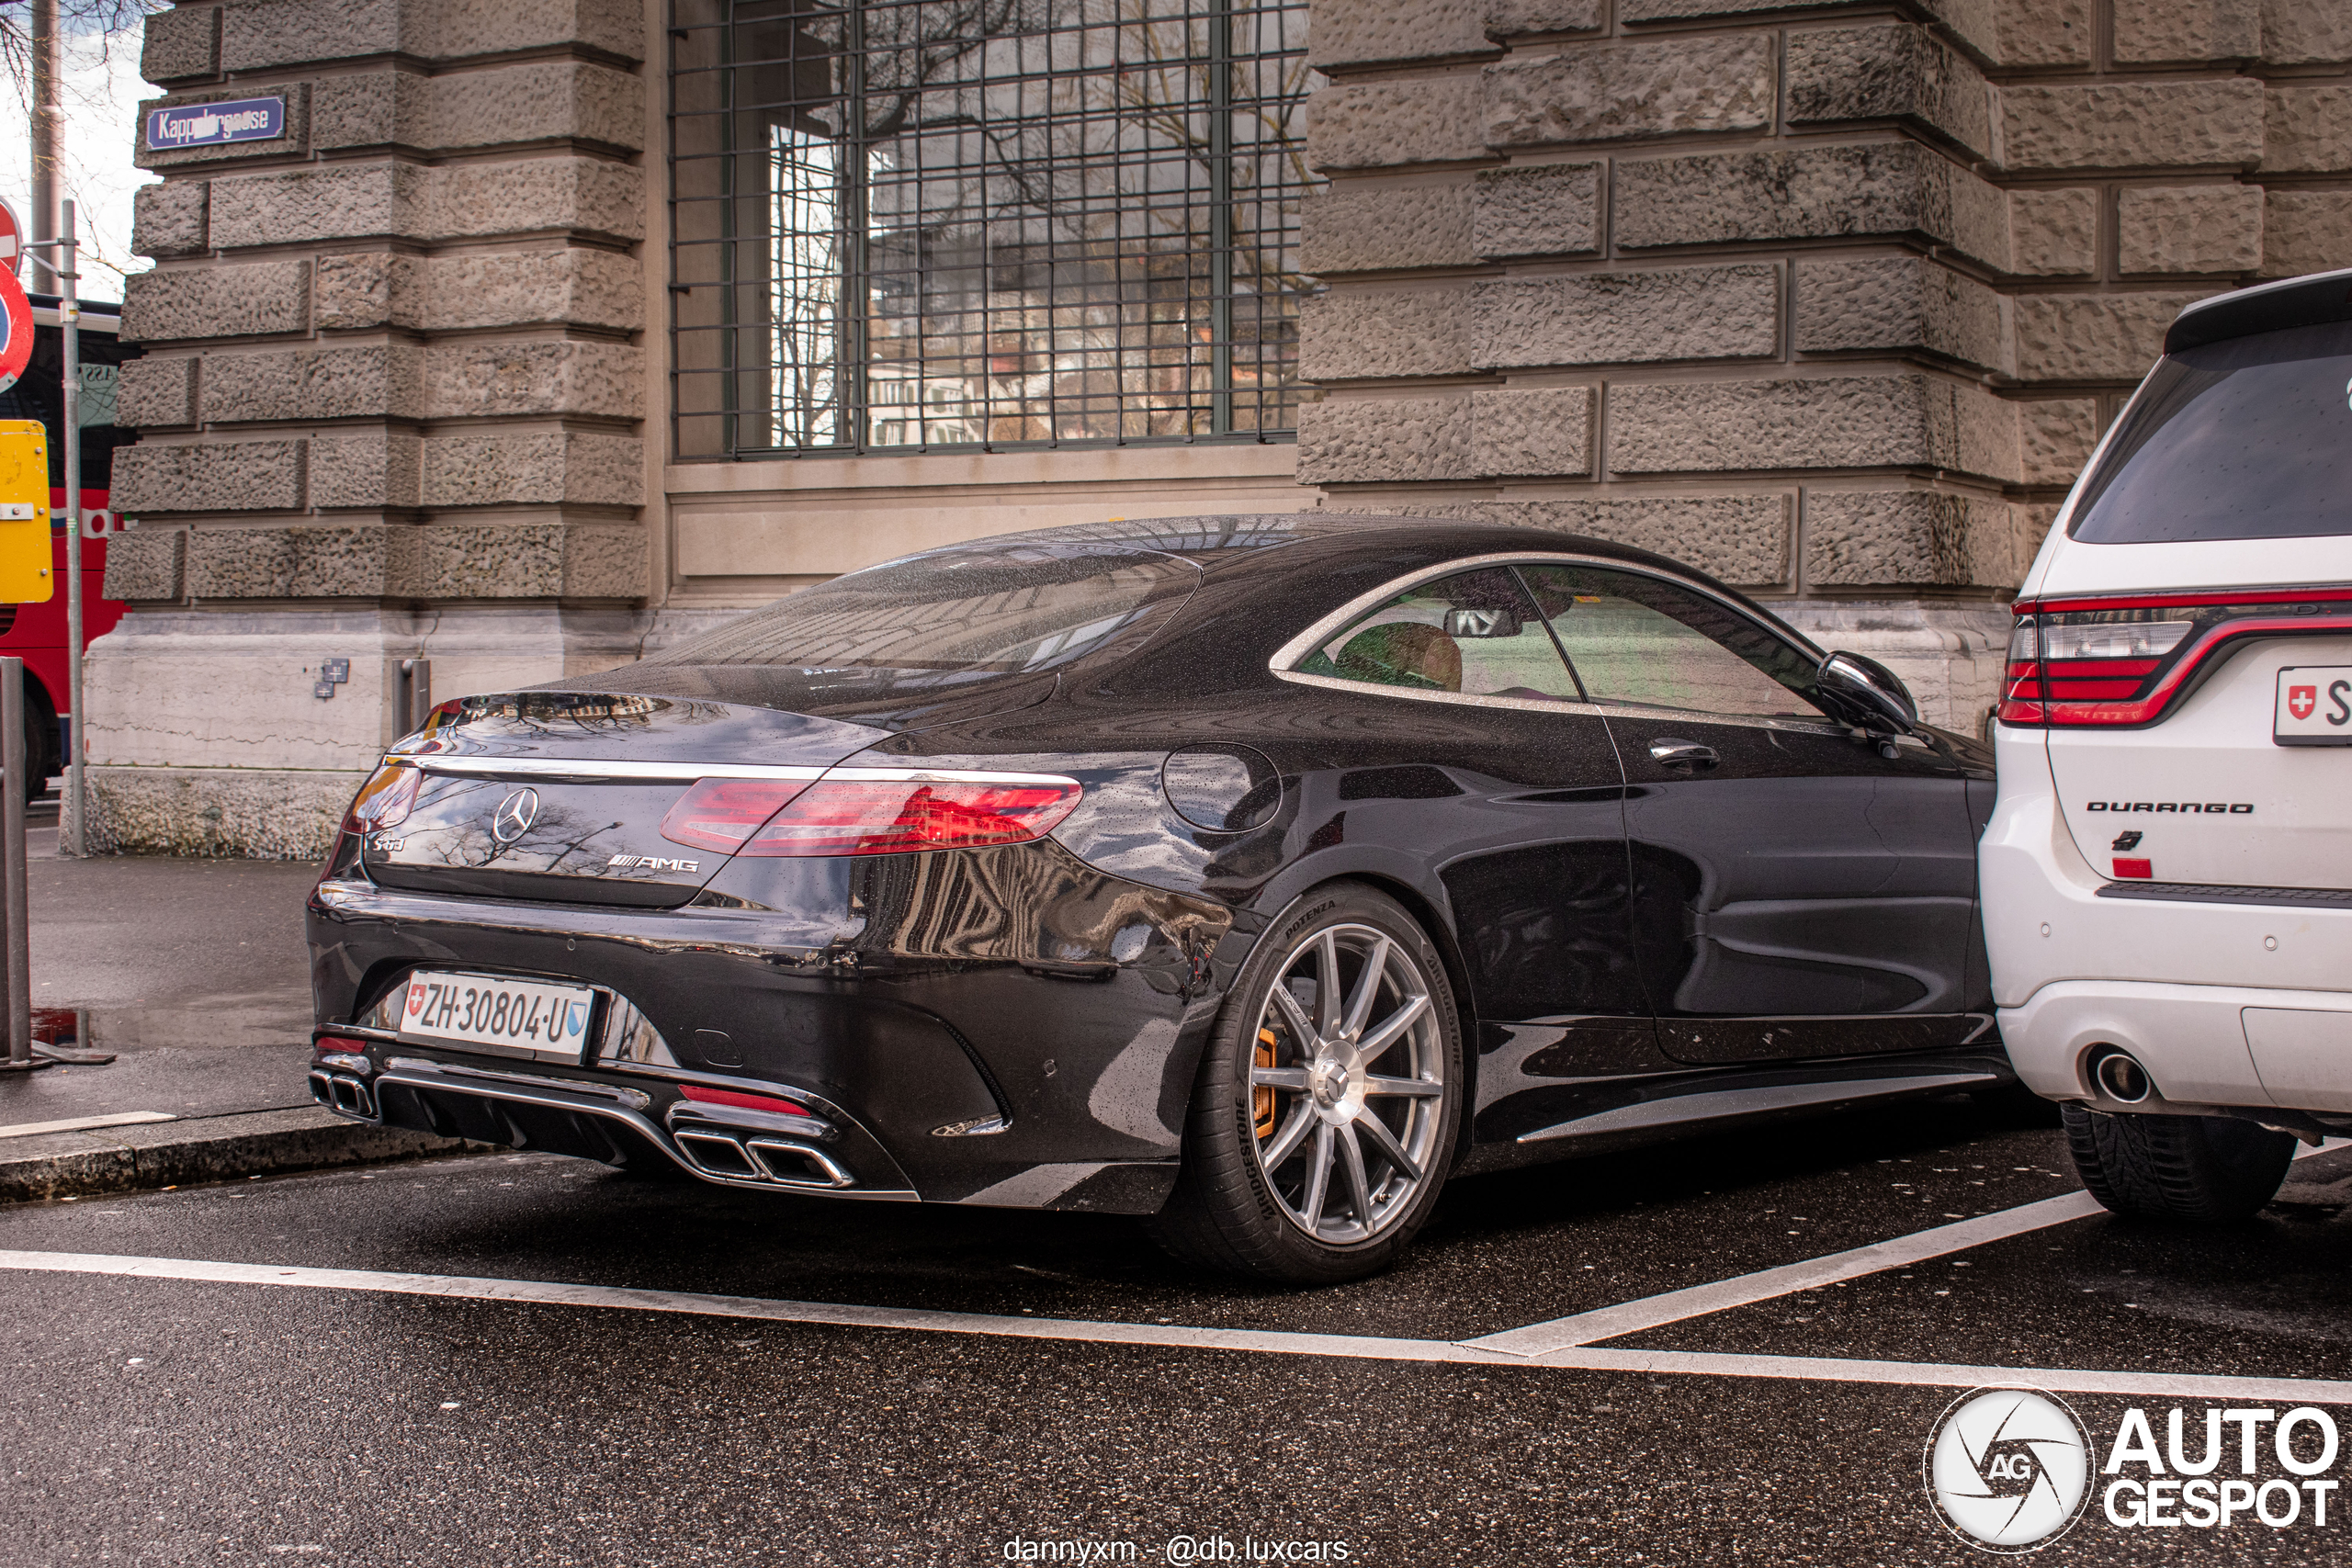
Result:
513,815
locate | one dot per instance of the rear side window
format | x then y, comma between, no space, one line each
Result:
2245,439
994,610
1637,640
1474,634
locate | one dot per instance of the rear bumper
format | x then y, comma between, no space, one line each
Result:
2232,1046
616,1127
2190,989
953,1048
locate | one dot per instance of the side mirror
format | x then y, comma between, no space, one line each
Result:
1867,693
1482,623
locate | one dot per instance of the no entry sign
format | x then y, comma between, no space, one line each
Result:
12,239
16,322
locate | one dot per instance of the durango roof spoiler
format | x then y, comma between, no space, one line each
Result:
2313,301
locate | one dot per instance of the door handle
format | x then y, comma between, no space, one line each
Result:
1668,752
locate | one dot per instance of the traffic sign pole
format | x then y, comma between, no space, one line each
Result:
69,319
69,316
18,946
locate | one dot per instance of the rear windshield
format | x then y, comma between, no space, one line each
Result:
2246,439
997,610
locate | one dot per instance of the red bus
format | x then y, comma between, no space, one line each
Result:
36,633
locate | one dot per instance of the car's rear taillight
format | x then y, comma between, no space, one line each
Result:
846,814
385,800
2123,661
720,814
2021,681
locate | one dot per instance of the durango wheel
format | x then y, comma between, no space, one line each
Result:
1323,1116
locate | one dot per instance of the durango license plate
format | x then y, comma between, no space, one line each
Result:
2315,706
527,1016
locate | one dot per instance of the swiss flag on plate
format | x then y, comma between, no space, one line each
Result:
2300,700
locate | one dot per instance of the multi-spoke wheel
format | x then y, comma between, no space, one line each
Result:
1325,1113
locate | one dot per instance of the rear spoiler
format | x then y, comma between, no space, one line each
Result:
2316,300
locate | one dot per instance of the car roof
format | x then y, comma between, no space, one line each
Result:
1221,544
2320,299
1218,541
1323,546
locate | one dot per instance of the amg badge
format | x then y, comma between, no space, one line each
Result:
651,863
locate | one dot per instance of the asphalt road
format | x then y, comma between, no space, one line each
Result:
177,1420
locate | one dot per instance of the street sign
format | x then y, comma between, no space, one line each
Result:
24,550
15,329
12,239
209,125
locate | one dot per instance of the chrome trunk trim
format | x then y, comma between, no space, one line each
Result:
585,770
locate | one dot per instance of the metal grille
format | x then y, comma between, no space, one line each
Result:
908,224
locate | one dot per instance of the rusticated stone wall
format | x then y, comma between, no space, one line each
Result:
1830,300
392,405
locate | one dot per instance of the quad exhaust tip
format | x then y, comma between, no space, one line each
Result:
2121,1079
339,1091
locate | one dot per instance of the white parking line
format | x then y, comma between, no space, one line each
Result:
1632,1317
1698,1301
2155,1385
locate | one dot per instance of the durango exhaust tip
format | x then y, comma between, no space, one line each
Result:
2121,1079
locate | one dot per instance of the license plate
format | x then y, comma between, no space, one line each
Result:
527,1016
2315,706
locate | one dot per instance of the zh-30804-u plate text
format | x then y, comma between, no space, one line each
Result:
533,1016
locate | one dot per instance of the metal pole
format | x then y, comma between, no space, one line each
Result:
12,844
69,316
416,693
47,117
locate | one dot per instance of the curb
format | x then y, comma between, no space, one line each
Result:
212,1148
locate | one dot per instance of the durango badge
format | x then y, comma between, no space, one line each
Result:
2009,1468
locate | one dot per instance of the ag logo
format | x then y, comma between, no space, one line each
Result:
2009,1468
2301,700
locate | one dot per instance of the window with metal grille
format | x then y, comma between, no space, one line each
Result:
905,224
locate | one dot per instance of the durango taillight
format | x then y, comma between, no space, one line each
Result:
846,814
384,801
2124,661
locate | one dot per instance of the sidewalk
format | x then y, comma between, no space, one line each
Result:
194,972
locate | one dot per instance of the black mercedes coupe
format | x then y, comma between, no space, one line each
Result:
1252,873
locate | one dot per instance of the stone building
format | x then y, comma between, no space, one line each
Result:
546,330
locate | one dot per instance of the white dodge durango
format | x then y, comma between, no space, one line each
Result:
2167,876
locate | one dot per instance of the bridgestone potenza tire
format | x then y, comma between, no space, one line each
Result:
1341,1016
2200,1169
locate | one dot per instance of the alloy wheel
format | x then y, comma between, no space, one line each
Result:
1348,1084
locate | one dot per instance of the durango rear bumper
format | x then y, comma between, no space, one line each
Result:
2202,1046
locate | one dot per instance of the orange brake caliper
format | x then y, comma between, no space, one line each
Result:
1262,1100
